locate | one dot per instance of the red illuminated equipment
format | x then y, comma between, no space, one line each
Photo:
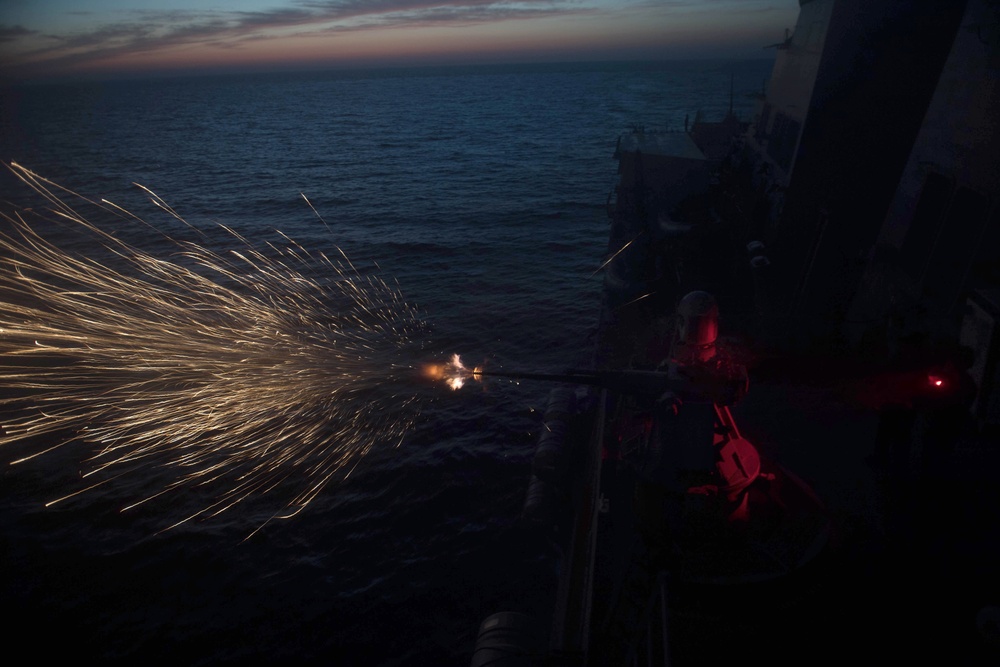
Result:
648,480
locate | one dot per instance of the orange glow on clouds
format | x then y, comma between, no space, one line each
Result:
396,32
542,38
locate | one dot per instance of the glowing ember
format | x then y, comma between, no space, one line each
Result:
252,371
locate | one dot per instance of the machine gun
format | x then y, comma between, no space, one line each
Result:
696,382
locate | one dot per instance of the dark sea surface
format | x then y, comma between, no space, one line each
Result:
483,192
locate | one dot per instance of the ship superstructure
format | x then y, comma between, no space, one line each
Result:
849,234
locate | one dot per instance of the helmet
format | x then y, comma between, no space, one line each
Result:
698,324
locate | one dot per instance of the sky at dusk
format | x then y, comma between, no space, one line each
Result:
40,38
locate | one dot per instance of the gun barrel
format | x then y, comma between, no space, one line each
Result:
723,390
645,383
572,376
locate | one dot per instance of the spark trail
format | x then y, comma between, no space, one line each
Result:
242,371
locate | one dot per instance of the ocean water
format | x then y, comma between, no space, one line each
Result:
481,191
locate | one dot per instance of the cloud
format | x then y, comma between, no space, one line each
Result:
9,33
379,13
151,38
423,14
146,31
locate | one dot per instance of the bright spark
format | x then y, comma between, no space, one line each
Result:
243,370
615,254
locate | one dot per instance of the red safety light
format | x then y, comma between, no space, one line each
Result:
935,380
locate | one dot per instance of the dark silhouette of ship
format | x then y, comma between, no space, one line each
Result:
848,243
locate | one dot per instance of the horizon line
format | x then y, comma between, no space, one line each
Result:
353,67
